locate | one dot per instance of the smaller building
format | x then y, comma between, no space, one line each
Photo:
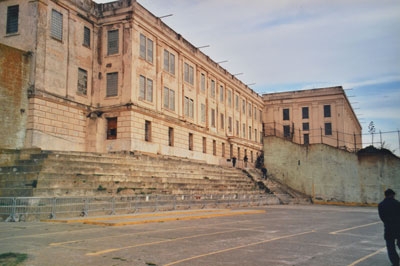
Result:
322,115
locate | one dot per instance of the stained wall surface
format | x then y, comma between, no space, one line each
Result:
330,174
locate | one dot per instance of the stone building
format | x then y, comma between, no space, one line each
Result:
313,116
114,77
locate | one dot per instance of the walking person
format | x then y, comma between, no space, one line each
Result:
389,212
233,161
264,172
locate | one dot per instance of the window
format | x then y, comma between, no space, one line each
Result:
82,81
112,84
255,113
230,150
223,149
147,131
304,111
238,150
221,93
214,147
86,36
112,128
212,117
12,19
250,133
260,116
230,124
249,110
146,48
327,111
222,121
203,82
56,25
169,99
188,73
170,136
237,102
251,156
328,129
188,107
169,62
255,135
286,114
237,128
243,106
286,131
306,126
212,88
244,130
146,89
229,98
204,145
203,113
306,139
113,42
190,141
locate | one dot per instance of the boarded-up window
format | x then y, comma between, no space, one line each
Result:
230,124
229,98
113,42
255,135
237,128
255,113
222,121
170,136
86,36
213,88
223,149
56,25
12,19
147,131
237,102
82,81
260,116
112,84
190,141
203,113
244,130
249,110
250,133
244,106
112,128
221,93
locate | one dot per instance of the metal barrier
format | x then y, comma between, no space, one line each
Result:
15,207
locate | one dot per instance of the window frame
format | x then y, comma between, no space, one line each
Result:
188,73
146,51
169,62
112,49
327,111
86,37
169,99
53,29
285,114
147,131
306,126
108,84
85,73
145,89
12,18
328,129
305,114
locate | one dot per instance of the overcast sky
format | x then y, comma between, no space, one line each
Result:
300,44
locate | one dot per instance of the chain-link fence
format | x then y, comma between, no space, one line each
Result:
32,208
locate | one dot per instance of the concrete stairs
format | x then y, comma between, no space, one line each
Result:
285,194
57,174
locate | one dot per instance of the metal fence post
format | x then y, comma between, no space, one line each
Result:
85,207
53,208
13,216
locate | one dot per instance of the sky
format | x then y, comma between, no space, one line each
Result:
302,44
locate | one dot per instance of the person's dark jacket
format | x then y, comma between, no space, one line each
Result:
389,212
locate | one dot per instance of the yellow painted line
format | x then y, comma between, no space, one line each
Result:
50,233
128,217
156,242
150,232
175,218
238,247
346,203
351,228
366,257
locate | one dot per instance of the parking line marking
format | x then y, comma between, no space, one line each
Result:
156,242
238,247
351,228
175,218
366,257
147,232
130,216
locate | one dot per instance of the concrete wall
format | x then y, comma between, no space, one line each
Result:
330,174
14,84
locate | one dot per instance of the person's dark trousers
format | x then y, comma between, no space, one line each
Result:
391,249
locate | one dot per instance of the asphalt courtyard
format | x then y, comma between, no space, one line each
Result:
271,235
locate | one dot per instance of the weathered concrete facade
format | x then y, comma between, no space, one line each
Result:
14,85
313,116
332,175
113,77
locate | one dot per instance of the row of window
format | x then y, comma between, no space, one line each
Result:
305,113
287,129
112,134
